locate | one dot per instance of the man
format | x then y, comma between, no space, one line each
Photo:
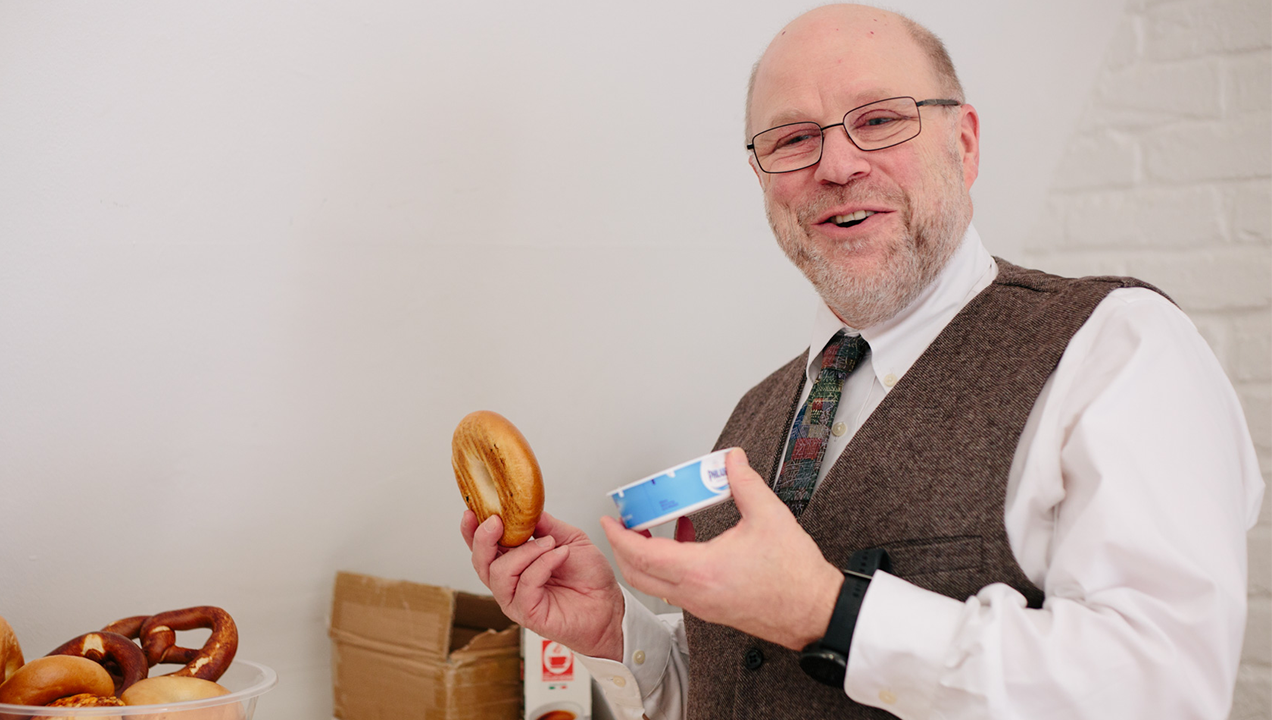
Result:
1031,493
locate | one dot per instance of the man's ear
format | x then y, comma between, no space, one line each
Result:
755,168
969,143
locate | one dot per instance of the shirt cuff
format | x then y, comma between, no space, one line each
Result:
898,646
647,647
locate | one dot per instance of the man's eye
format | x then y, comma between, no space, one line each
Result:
874,121
792,141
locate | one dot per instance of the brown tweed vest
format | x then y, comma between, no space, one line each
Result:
924,477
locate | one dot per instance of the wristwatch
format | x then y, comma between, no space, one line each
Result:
826,660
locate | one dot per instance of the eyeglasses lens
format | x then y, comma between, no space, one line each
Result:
875,126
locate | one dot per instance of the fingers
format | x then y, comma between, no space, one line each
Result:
646,562
563,532
629,547
468,526
507,583
750,493
485,545
627,544
546,524
529,591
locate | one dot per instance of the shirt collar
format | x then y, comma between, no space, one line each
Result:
895,344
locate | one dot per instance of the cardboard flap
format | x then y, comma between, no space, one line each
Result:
478,619
470,643
414,617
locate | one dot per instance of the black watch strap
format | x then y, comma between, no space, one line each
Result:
826,660
857,577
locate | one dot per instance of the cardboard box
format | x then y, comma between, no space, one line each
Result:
558,686
403,650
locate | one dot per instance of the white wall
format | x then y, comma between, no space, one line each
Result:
1169,179
258,258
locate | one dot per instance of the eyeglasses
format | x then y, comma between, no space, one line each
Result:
874,126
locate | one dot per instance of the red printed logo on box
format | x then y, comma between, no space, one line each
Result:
558,662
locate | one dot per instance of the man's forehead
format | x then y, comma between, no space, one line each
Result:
820,91
777,113
847,33
836,55
834,22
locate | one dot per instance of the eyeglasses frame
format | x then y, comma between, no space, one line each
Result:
937,102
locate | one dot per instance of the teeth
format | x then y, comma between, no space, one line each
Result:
852,217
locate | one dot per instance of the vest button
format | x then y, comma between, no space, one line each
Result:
753,659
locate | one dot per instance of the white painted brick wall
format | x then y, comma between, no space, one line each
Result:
1169,178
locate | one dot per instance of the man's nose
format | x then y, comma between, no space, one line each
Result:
841,161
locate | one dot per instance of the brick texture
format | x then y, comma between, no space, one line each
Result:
1169,178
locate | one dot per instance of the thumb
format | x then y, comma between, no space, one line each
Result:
750,493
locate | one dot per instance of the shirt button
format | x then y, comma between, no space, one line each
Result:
620,682
753,659
638,657
887,696
838,429
889,380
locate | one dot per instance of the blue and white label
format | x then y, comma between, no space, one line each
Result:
673,493
713,475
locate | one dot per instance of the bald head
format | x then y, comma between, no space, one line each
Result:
836,34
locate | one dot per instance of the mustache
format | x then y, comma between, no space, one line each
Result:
855,194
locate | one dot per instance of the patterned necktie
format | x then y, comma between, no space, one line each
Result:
806,445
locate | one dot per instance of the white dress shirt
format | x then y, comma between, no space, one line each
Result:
1128,502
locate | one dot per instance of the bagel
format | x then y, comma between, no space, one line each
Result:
498,474
87,700
46,679
10,651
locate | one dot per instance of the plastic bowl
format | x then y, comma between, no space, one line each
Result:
245,680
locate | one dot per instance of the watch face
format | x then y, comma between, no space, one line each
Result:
824,666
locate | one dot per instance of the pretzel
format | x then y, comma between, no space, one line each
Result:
158,638
125,662
46,679
128,627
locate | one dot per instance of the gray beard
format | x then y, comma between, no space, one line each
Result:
914,259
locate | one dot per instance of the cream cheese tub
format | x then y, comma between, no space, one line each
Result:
665,496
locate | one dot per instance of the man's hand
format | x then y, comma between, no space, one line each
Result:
764,576
559,584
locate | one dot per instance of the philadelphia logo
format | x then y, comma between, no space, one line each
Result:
713,474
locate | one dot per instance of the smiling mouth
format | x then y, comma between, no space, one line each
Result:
851,219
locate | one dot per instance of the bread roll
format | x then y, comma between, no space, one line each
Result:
167,689
171,690
498,474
